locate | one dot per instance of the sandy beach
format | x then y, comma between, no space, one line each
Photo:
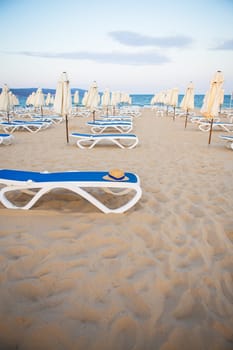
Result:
156,277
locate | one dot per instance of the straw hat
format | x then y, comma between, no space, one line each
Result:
115,175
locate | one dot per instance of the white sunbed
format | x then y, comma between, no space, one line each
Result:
6,139
200,119
36,184
228,139
206,125
111,118
55,119
100,127
17,125
90,140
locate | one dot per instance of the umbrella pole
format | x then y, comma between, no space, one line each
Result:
67,132
211,127
93,116
186,119
8,117
174,114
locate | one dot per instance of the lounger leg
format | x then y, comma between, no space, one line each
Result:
72,188
10,205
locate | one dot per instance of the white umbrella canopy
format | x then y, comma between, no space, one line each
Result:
5,100
115,99
48,99
84,99
76,97
62,101
15,100
31,98
187,102
92,98
212,100
173,100
39,99
125,98
106,98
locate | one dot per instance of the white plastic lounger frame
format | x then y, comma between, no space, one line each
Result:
90,140
228,139
55,119
76,181
6,139
119,118
205,126
32,127
100,127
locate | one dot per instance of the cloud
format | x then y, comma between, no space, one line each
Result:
137,58
135,39
226,45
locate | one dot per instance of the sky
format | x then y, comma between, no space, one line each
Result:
135,46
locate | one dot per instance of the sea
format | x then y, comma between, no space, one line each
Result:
142,100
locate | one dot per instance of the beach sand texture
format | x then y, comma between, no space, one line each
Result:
156,277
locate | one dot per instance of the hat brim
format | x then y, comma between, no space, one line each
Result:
111,178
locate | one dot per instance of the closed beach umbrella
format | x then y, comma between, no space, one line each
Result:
187,102
62,101
167,98
221,99
76,97
173,100
84,99
31,98
106,99
92,98
212,100
39,100
48,99
12,100
115,99
5,100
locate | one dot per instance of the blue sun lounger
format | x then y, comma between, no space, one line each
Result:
90,140
36,184
6,139
100,127
224,126
30,126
